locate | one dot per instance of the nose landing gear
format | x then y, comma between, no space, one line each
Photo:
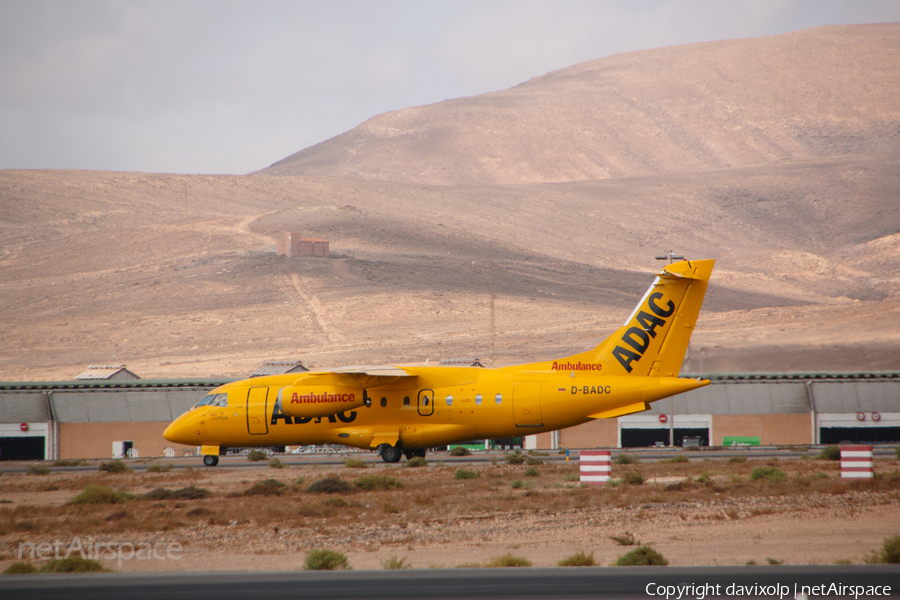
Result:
210,460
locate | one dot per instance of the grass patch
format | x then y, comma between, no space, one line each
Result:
770,474
159,468
416,461
38,470
889,553
774,561
579,559
507,560
533,461
377,483
626,459
330,485
532,472
20,568
113,466
325,560
737,459
830,453
643,556
73,564
101,494
459,451
69,463
466,474
355,463
393,563
257,455
266,487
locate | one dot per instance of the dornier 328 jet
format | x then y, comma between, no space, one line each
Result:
404,410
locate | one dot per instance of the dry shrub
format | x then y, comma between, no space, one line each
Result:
330,485
532,472
372,483
266,487
466,474
633,478
515,459
770,474
460,451
118,515
38,470
73,564
681,458
624,539
185,493
416,461
533,461
390,509
355,463
114,466
159,468
101,494
20,568
830,453
394,563
257,455
507,560
579,559
626,459
274,463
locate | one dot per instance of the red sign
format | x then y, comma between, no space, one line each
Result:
663,418
876,416
860,416
24,426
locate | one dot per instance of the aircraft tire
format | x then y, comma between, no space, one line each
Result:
210,460
391,454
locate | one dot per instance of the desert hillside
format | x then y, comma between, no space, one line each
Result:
776,156
828,91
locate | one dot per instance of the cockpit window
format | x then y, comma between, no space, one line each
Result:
213,400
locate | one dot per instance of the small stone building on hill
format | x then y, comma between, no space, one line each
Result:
295,245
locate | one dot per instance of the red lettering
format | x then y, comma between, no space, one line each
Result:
294,399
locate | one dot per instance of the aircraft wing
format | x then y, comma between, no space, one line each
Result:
356,376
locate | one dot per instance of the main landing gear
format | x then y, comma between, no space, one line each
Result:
210,460
392,454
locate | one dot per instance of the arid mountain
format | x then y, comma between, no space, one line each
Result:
776,156
828,91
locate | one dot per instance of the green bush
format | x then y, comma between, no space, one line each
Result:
532,472
737,459
393,563
20,568
770,474
579,559
38,470
330,485
185,493
466,474
257,455
101,494
508,560
632,478
377,483
355,463
73,564
266,487
703,477
515,459
325,560
626,459
416,461
113,466
299,481
518,484
830,453
159,468
641,557
335,502
460,451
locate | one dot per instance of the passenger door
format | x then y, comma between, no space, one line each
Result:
527,404
258,411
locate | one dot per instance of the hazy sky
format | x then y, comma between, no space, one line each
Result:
231,87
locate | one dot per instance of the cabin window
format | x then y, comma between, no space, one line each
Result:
383,402
449,400
499,398
478,399
406,401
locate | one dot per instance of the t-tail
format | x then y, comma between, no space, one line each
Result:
654,338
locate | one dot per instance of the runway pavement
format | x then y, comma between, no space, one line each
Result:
864,581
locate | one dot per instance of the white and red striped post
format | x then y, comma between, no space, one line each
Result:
856,463
595,466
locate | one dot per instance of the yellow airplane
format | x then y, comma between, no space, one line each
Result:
404,410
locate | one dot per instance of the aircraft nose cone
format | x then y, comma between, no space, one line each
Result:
176,432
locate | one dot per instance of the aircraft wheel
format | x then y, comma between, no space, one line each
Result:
409,454
420,453
210,460
391,454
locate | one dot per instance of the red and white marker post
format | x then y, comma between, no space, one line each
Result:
856,463
595,466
